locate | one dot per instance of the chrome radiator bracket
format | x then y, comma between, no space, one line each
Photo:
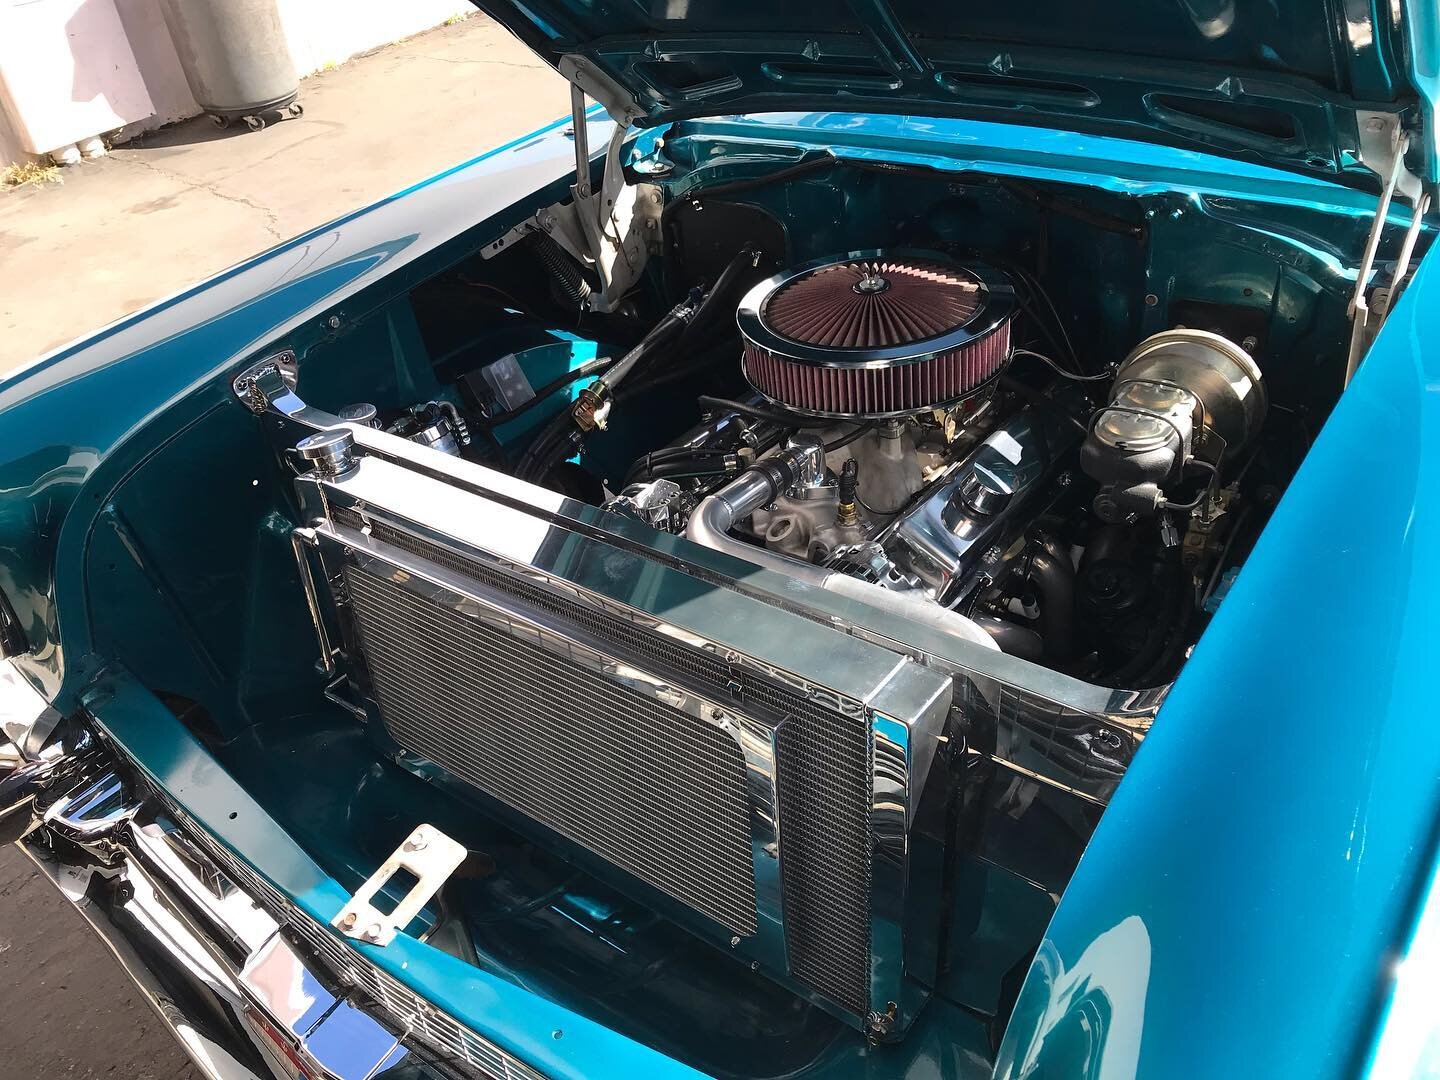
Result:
430,856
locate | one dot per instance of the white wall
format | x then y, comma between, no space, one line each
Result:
324,32
319,33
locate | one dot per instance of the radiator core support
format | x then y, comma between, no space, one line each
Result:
752,773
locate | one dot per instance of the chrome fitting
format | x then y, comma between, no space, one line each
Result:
331,453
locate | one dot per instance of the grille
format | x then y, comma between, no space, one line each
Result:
711,669
646,786
409,1013
876,334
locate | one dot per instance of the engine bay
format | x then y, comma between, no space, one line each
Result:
921,431
850,430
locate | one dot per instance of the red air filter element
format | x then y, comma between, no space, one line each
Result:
876,334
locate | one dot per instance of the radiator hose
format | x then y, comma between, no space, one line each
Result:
717,514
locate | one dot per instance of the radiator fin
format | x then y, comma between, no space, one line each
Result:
644,785
823,769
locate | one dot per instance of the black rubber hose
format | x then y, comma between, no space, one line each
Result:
590,367
562,267
1013,639
759,412
556,441
696,467
546,452
561,437
1053,577
1168,662
846,439
686,462
742,260
1172,571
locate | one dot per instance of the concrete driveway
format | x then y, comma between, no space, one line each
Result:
182,203
150,219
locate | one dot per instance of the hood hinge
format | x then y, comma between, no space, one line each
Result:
1383,144
611,230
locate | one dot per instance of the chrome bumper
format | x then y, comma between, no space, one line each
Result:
216,968
203,945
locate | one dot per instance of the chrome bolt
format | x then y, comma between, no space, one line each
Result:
348,922
373,932
419,840
1374,124
333,322
734,941
1151,299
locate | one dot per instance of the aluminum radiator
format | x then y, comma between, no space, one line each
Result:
752,772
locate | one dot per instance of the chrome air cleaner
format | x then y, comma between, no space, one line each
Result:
876,333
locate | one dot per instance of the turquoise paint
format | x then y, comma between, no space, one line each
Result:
1283,82
1109,164
79,418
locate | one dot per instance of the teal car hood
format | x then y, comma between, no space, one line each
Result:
1289,83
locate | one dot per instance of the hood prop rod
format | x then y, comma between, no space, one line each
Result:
1367,313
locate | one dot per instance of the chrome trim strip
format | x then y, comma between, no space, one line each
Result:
996,306
178,908
173,918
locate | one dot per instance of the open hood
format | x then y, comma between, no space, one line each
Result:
1298,84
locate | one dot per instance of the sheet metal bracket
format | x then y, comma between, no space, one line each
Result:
428,854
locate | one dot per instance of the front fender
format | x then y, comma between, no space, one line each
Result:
78,420
1238,908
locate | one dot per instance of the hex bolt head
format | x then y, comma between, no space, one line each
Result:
419,840
373,932
348,922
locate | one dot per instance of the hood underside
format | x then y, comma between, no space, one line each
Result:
1290,83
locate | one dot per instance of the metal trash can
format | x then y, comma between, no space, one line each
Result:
235,58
